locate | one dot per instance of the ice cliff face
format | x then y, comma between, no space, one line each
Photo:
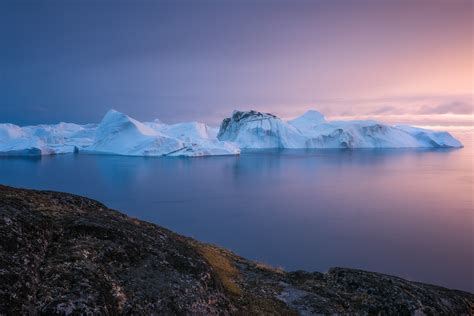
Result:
311,130
259,130
119,134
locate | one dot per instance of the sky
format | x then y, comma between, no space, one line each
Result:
404,61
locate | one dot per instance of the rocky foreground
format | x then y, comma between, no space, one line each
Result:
65,254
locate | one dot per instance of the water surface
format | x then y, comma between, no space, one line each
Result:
402,212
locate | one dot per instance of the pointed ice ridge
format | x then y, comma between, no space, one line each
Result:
308,121
122,135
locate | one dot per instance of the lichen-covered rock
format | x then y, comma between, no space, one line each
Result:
64,254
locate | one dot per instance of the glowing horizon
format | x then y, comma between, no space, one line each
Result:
199,60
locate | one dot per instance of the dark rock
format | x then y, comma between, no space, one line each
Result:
65,254
239,116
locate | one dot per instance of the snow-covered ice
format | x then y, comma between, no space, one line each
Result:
308,120
44,139
119,134
122,135
116,134
255,130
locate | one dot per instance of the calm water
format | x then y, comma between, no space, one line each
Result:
402,212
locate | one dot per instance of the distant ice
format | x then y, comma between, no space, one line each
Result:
119,134
254,130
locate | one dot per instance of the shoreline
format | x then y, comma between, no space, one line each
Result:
65,253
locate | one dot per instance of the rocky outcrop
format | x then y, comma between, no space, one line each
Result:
65,254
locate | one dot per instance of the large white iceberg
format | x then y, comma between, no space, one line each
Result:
119,134
256,130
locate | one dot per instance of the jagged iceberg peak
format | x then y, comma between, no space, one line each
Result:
252,114
122,135
115,121
230,125
244,116
309,120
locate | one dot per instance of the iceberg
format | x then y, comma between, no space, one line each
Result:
119,134
256,130
44,139
116,134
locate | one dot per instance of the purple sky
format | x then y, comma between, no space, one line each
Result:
199,60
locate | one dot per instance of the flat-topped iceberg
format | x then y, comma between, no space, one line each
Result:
256,130
119,134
